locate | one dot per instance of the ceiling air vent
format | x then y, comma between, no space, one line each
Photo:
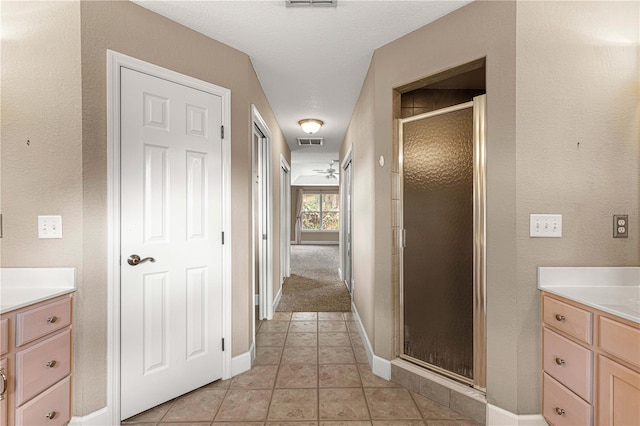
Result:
310,141
296,3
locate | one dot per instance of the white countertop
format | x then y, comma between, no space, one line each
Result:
20,287
615,290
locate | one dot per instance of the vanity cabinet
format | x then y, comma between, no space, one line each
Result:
3,392
591,365
36,345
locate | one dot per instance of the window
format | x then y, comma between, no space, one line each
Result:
320,212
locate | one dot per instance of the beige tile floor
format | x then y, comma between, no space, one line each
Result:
311,369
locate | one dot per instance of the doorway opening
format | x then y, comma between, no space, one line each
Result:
285,220
441,145
262,221
346,187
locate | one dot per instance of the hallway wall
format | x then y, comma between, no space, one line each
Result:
278,147
359,137
541,101
61,47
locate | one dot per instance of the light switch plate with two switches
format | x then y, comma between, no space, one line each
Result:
620,226
545,225
49,227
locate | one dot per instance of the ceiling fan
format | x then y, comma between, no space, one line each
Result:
330,172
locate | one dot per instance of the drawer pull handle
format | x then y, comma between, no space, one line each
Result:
51,415
560,411
52,319
560,318
559,361
53,363
3,394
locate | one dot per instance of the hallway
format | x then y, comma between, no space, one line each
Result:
310,368
314,284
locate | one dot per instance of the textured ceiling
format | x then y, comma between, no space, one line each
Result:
311,61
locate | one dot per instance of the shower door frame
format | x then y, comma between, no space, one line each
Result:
478,104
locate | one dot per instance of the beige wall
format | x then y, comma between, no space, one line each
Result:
279,148
41,137
54,93
583,90
550,84
359,137
41,132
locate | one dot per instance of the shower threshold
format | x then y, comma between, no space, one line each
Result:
459,397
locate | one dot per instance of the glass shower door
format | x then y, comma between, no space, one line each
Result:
438,255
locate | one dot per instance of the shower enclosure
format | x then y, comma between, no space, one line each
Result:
442,168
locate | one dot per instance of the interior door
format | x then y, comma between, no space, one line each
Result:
171,217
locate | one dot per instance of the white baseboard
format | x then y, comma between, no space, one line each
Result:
241,363
363,334
497,416
381,367
276,301
101,417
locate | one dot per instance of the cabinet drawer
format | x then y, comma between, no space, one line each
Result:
53,403
569,363
574,321
38,322
562,407
42,365
620,340
4,336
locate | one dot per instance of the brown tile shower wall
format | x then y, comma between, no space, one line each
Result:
421,101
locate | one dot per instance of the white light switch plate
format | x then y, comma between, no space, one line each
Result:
545,225
49,227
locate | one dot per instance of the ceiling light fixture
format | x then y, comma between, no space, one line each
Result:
310,125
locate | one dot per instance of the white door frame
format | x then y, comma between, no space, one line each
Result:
348,159
285,221
115,61
265,261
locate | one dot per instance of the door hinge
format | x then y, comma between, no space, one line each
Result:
222,237
223,344
403,243
264,236
221,132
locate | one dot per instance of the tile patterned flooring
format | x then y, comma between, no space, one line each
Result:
310,369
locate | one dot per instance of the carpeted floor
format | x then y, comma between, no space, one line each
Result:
314,285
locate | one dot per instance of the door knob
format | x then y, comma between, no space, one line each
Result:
134,260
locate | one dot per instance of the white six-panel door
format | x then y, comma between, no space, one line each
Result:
171,187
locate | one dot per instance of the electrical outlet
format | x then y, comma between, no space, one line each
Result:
620,226
49,227
545,225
